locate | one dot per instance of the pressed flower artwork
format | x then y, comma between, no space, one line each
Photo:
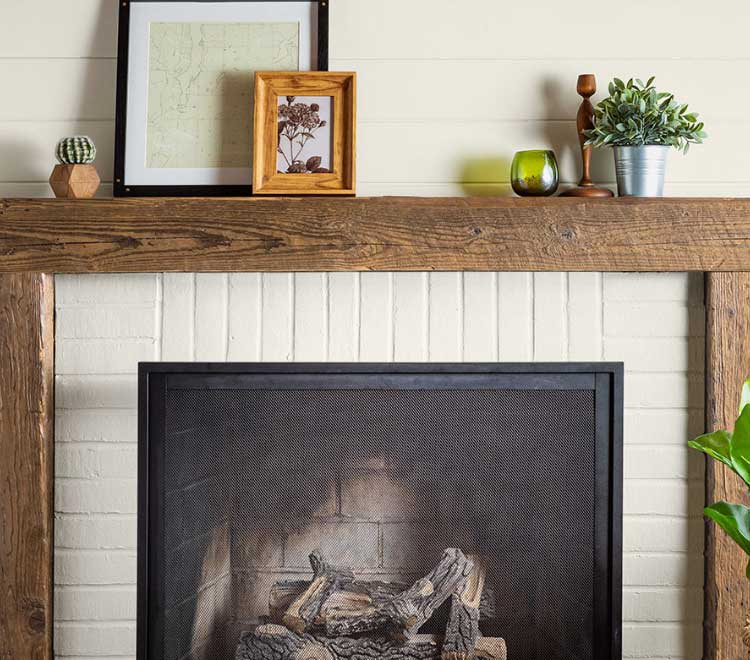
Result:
304,129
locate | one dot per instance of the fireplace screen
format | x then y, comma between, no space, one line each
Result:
299,512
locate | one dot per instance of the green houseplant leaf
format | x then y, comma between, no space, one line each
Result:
732,448
716,445
745,396
734,519
635,114
739,446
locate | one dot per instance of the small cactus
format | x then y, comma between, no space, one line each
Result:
78,150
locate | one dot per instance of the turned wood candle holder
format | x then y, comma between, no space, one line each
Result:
585,120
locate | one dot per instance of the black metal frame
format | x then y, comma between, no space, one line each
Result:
604,378
123,48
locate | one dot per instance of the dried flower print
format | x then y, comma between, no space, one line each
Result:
299,123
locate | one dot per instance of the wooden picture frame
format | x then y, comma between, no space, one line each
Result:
134,173
274,90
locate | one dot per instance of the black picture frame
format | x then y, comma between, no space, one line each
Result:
120,189
605,379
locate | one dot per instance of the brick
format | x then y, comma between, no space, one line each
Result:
197,563
515,310
95,603
662,462
85,461
480,318
96,426
111,288
86,567
250,591
278,317
653,319
193,511
211,291
666,497
75,392
375,495
261,546
657,354
674,427
96,638
310,317
415,546
445,308
662,534
343,316
550,323
662,569
84,496
101,532
244,317
662,604
352,544
664,390
584,316
376,317
410,322
661,287
178,317
106,321
664,640
97,356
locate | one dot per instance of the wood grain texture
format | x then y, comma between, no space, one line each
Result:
26,465
389,233
727,366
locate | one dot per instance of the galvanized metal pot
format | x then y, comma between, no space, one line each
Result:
640,170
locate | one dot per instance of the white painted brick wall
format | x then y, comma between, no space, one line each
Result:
107,323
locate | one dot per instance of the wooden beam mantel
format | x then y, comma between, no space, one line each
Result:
387,233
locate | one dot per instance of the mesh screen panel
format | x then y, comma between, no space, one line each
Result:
381,481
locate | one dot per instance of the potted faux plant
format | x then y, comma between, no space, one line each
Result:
641,124
732,448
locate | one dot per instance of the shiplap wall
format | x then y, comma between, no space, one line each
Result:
448,91
106,324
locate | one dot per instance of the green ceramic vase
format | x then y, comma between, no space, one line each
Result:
534,173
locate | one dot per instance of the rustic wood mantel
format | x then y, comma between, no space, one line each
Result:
39,238
387,233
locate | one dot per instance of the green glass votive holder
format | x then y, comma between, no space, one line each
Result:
534,173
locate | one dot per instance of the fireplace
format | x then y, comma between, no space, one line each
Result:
398,511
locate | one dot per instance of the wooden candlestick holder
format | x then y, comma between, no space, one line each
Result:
585,120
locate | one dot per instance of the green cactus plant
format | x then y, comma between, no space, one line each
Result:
77,150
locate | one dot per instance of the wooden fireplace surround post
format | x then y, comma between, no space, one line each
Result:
39,238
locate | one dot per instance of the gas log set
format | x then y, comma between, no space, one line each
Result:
338,617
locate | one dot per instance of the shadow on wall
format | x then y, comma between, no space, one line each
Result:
486,176
693,541
490,175
98,96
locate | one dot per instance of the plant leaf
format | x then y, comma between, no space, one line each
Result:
745,395
716,444
739,446
734,519
313,163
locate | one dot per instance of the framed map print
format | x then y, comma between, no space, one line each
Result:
185,88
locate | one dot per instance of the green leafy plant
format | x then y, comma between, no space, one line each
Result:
635,114
733,449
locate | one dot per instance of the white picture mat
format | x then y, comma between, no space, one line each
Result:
144,13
